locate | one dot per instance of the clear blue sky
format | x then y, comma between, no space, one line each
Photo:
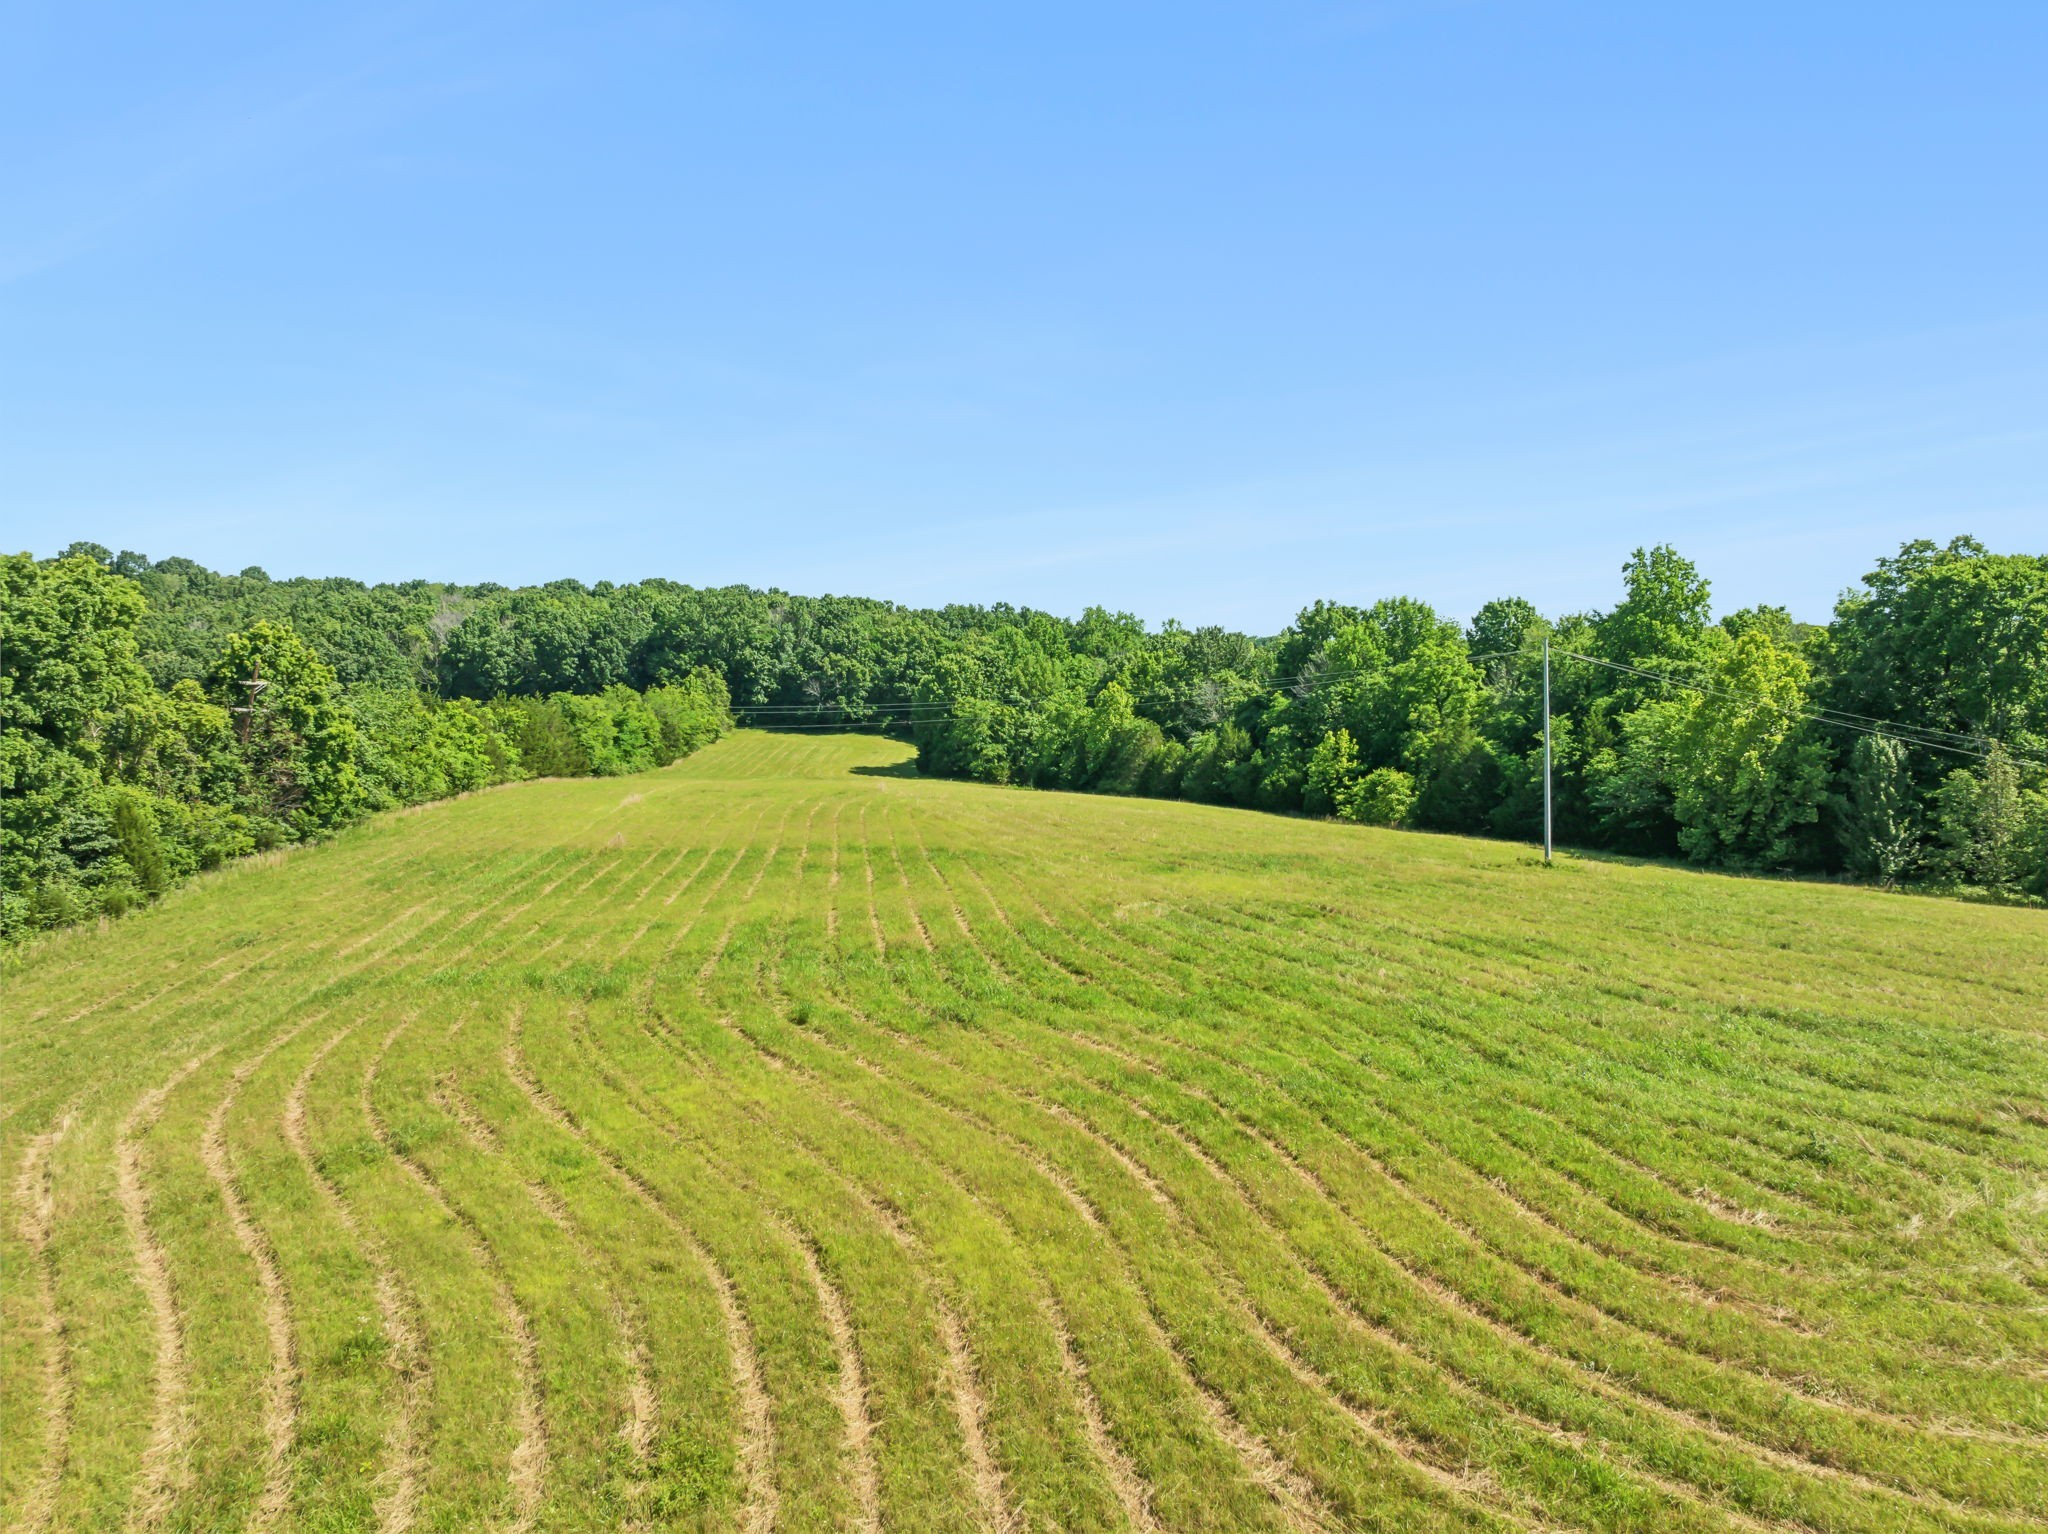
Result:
1192,309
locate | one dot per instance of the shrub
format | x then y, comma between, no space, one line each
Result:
1383,797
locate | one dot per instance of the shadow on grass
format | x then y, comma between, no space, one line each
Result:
903,769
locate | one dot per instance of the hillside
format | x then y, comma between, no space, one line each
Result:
780,1140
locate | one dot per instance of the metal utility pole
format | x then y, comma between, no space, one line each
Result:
1546,748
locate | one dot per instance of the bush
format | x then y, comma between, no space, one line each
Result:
1383,797
141,848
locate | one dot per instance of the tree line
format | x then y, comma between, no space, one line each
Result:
141,741
1905,741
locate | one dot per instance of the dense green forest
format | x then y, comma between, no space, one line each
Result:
1905,742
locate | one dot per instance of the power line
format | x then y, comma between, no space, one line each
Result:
1830,715
1300,680
1883,728
1911,735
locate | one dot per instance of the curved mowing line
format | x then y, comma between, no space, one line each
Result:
395,1307
832,882
970,1405
35,1194
853,1406
1157,980
1303,1504
853,1389
1557,1044
642,1403
280,1407
1261,1470
317,917
1596,1381
1129,1488
160,1460
857,1420
757,1436
1306,1505
867,864
191,1037
1462,1488
1463,1485
670,898
1291,1491
171,1432
710,964
527,1472
1814,1086
1654,1339
924,933
1382,1217
912,1044
644,998
1418,1130
1448,1481
970,1402
1132,1492
1451,1482
583,912
1814,1089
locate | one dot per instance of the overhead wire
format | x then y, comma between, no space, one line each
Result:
1828,713
1930,737
1299,680
1905,734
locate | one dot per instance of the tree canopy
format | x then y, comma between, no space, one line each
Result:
1906,741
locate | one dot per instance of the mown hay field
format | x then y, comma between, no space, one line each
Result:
779,1141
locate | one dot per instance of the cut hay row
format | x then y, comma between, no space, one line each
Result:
783,1142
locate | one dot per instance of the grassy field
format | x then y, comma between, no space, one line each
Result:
780,1141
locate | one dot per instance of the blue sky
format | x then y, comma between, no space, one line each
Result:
1197,310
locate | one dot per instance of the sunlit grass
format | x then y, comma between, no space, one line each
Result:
781,1141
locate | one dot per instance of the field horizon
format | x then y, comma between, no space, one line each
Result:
783,1140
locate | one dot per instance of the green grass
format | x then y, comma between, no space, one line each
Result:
782,1141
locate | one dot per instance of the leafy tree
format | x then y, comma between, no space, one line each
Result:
1949,638
1881,824
117,673
135,833
688,714
67,648
1221,767
1503,626
1331,775
1631,780
1283,774
1403,685
301,744
1296,658
1662,619
1750,775
1775,623
412,749
1383,797
1988,825
67,666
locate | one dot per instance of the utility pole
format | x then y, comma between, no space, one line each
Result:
1546,748
255,684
